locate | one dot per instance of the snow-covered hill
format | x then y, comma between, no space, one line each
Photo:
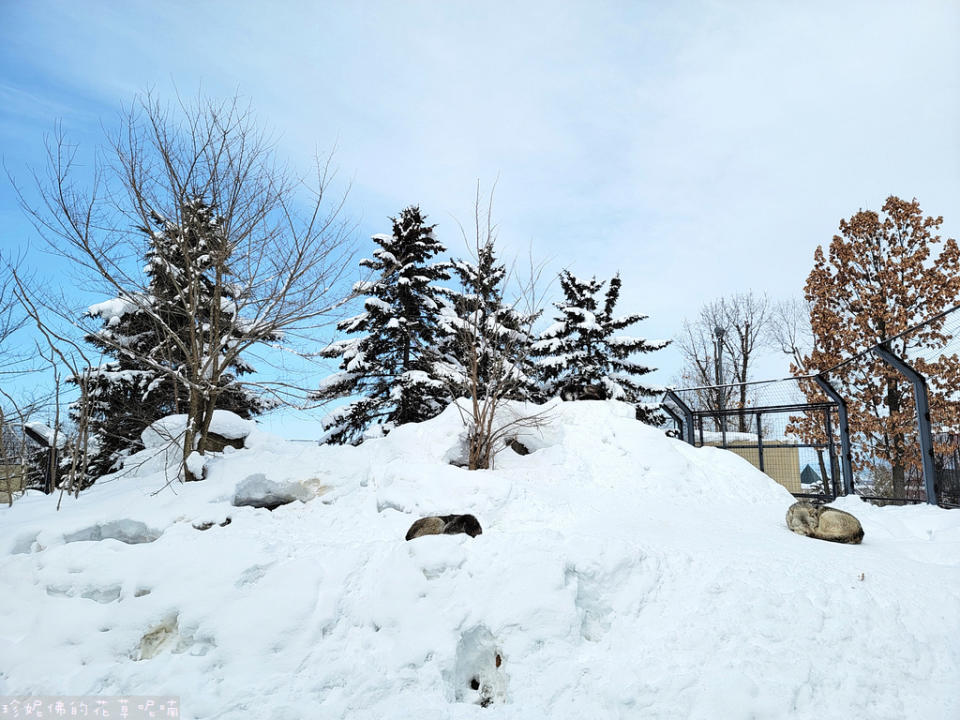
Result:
620,574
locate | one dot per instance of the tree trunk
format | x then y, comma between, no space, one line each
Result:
190,432
824,487
897,444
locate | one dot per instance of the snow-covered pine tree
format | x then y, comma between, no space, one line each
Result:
393,369
116,390
485,329
188,264
581,350
147,334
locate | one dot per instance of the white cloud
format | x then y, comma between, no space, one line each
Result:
701,147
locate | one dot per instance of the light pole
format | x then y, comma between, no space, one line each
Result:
718,368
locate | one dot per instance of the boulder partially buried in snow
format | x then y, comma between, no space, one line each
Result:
445,525
226,428
824,523
259,491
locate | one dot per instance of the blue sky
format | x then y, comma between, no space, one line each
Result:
700,148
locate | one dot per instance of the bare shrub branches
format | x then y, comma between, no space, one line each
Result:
494,340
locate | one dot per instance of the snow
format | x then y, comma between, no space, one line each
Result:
195,464
620,574
111,311
715,437
372,303
170,429
46,432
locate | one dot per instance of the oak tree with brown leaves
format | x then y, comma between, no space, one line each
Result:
880,276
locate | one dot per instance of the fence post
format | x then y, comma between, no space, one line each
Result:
760,442
676,418
845,460
922,403
687,413
828,424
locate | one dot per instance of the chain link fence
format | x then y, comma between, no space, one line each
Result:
770,424
884,423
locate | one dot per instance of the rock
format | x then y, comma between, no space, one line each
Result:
445,525
824,523
259,491
216,442
518,447
206,525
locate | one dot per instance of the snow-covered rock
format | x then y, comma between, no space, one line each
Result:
620,574
259,491
170,430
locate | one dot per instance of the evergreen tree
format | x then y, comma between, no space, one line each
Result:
484,330
122,396
581,350
394,367
188,263
146,335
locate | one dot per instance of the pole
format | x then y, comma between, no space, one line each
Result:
760,442
845,455
718,368
687,414
922,402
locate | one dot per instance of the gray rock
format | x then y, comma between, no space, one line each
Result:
445,525
824,523
216,443
518,447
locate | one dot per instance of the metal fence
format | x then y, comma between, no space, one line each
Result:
25,463
772,426
884,424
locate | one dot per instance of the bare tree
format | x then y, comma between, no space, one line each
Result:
789,332
15,410
720,347
12,319
270,263
494,337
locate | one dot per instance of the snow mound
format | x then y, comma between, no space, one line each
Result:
620,574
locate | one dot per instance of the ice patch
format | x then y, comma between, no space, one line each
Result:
131,532
24,543
259,491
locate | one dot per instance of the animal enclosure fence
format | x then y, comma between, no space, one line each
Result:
772,426
884,423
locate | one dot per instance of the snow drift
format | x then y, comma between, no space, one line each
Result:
620,574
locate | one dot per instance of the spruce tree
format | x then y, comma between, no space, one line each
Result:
187,263
121,398
581,350
145,379
482,328
393,370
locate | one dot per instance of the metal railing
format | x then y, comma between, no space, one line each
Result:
884,423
